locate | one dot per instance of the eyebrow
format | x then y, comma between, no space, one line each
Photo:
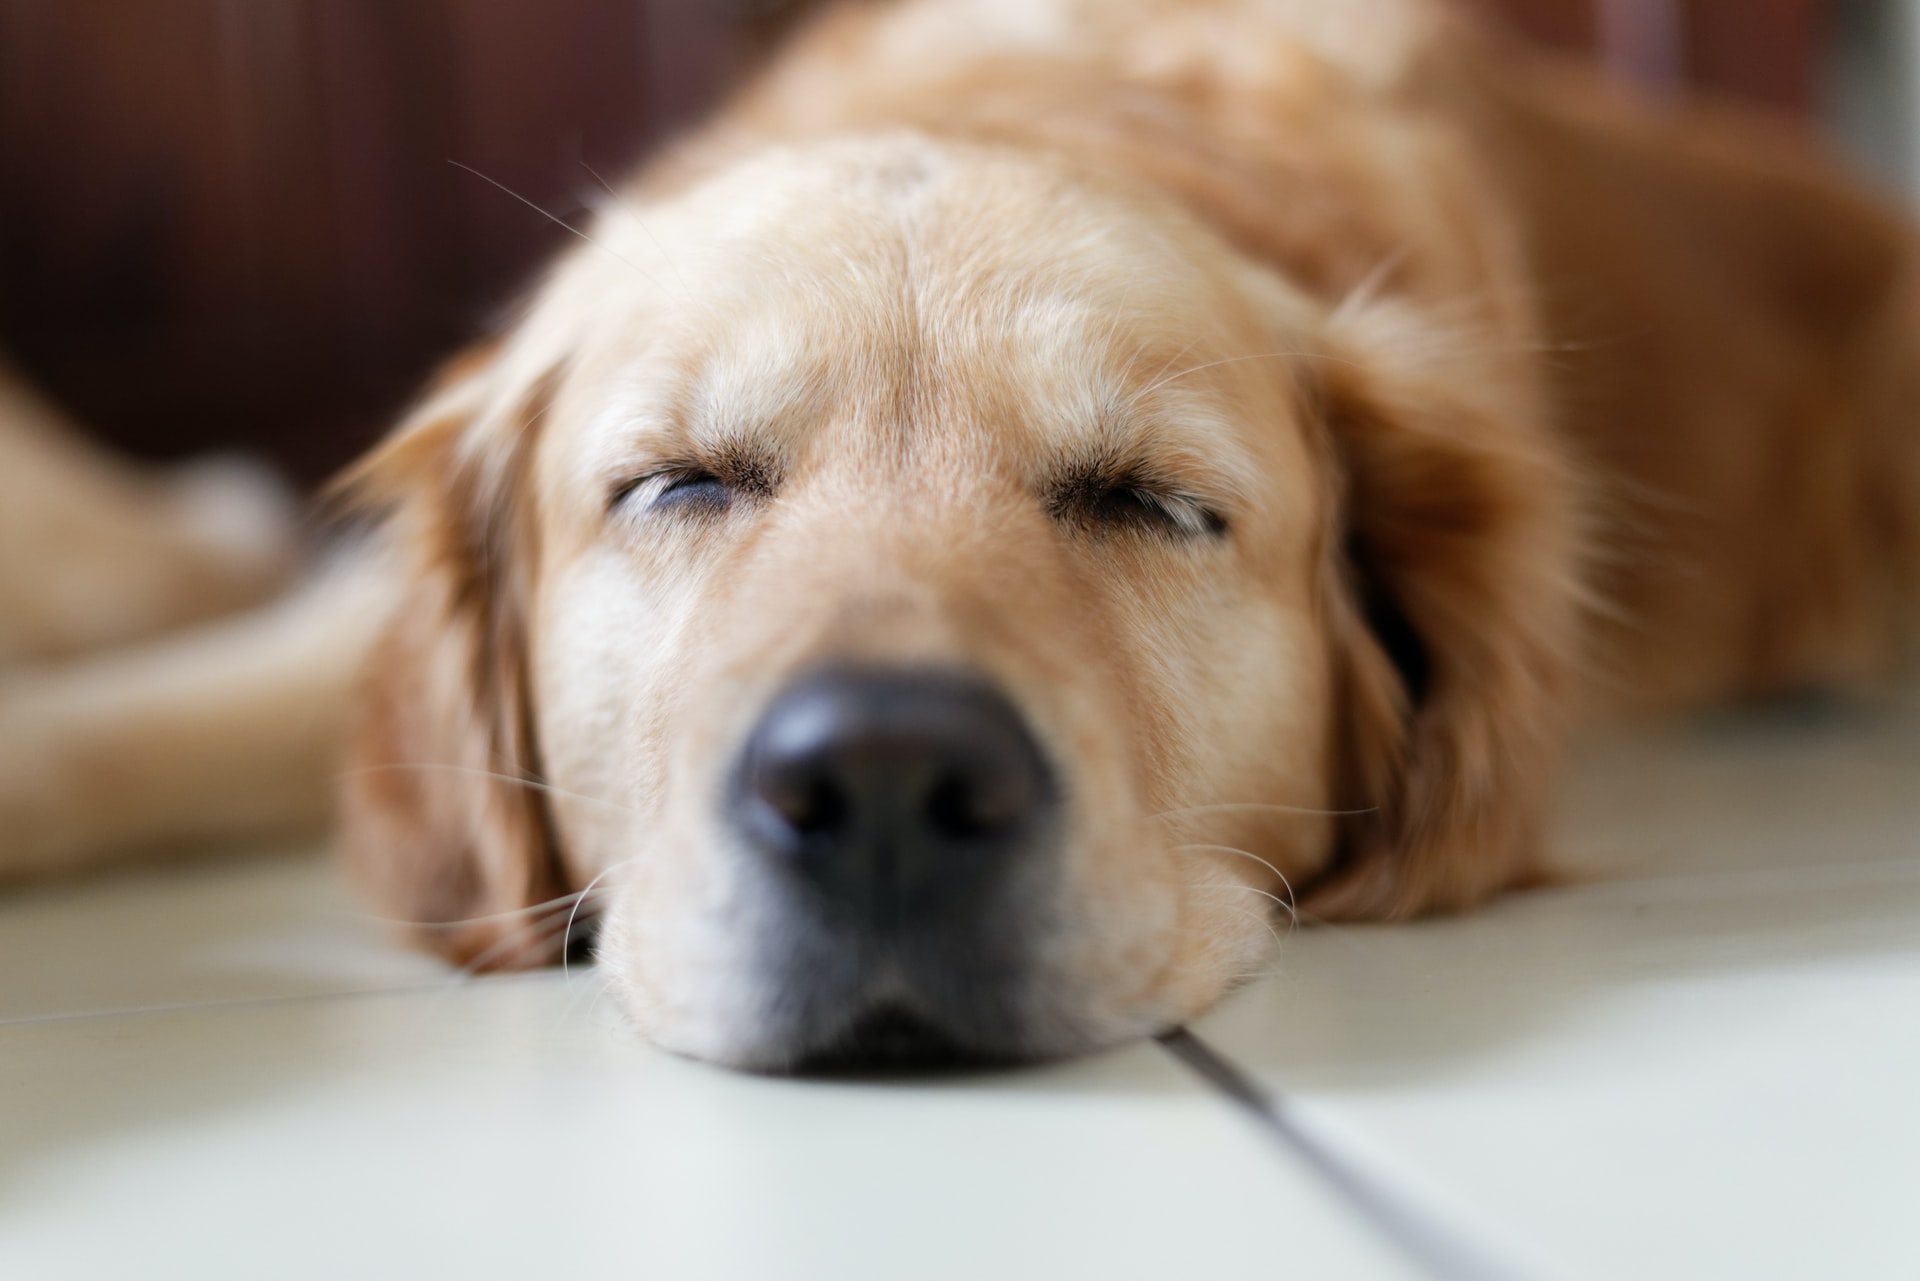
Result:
745,464
1140,461
1180,452
729,404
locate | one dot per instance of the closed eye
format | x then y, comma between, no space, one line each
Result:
680,490
693,489
1102,499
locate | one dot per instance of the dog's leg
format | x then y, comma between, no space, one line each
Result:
221,733
96,552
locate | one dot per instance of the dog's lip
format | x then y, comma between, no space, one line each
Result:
893,1038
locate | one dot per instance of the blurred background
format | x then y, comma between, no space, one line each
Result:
239,223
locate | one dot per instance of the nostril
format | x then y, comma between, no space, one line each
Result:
963,805
812,805
951,810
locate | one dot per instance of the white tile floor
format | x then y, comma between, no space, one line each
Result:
1701,1064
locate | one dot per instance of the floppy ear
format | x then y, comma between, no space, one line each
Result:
1454,591
439,823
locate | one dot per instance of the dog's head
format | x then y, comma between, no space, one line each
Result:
932,599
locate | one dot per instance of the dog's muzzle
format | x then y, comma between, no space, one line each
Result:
900,814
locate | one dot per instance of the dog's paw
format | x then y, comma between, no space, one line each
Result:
240,518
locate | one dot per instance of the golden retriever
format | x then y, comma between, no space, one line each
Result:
1037,483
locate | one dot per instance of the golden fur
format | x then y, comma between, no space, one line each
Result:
1500,383
1480,397
141,705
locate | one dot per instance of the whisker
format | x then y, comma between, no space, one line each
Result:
1158,383
1254,889
552,903
1266,922
553,920
1362,295
1164,379
1300,915
1259,805
621,207
553,218
551,926
604,184
1285,884
1169,363
566,961
518,780
1234,849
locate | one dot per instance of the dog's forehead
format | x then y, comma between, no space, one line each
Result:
853,206
970,284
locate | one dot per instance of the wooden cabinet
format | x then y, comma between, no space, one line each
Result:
254,224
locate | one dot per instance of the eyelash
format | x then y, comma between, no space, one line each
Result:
1095,502
1104,503
693,488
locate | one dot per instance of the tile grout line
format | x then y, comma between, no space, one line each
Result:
1438,1251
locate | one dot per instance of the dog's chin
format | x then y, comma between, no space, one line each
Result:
894,1042
891,1039
789,987
898,1038
848,1033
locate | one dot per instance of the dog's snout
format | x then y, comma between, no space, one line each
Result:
897,794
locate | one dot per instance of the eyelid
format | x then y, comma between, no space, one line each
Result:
1103,498
649,486
736,467
1193,517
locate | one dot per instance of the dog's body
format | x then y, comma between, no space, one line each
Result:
1261,422
1712,319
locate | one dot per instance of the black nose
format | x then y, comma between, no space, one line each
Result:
899,795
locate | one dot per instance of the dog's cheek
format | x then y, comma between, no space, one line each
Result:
1246,696
628,719
1225,689
604,660
1260,709
671,954
1257,763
